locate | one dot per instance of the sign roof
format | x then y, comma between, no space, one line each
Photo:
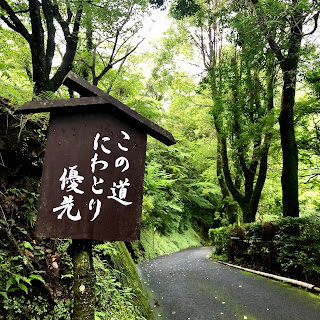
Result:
92,98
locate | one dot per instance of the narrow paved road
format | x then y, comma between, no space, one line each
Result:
187,286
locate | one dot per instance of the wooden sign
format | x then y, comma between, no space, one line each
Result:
92,184
92,181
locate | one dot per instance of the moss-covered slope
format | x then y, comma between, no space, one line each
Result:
128,276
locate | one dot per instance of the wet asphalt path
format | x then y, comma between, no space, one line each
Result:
187,286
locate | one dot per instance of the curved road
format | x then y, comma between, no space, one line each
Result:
187,286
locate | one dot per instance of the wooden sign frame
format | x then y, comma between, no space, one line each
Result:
93,173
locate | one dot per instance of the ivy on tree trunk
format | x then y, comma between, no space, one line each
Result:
84,280
253,168
288,56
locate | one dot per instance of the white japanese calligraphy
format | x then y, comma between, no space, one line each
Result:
122,147
66,207
122,192
97,204
95,183
72,180
95,161
96,143
122,161
126,137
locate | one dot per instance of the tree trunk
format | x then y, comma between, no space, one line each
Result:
84,280
229,209
40,79
289,177
289,68
249,212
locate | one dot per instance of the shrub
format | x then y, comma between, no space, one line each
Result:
289,246
220,237
298,246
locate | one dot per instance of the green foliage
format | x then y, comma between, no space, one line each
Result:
307,130
219,237
108,39
162,204
236,77
298,245
18,282
14,61
312,72
22,297
289,246
180,183
153,244
184,8
175,194
118,289
31,207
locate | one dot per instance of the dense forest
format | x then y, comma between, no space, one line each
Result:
237,83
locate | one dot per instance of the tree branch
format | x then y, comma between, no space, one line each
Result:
64,24
48,14
271,41
94,5
227,175
36,24
16,24
72,43
315,18
311,176
110,65
22,11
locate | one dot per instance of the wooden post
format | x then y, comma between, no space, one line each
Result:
84,280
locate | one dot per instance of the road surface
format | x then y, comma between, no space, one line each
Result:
187,286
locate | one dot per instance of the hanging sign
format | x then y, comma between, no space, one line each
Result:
92,182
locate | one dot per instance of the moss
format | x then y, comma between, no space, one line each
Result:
128,276
153,244
84,280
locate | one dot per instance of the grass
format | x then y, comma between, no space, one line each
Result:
155,244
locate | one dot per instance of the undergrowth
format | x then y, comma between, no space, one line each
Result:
117,298
36,276
287,246
153,243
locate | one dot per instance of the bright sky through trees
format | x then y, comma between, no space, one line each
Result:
153,28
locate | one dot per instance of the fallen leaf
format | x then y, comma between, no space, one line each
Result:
29,254
55,257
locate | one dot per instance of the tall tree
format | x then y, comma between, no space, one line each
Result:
36,21
243,119
42,22
242,104
281,25
111,36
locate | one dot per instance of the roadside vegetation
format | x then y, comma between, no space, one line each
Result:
218,81
286,246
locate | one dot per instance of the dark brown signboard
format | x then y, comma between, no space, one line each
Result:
92,182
